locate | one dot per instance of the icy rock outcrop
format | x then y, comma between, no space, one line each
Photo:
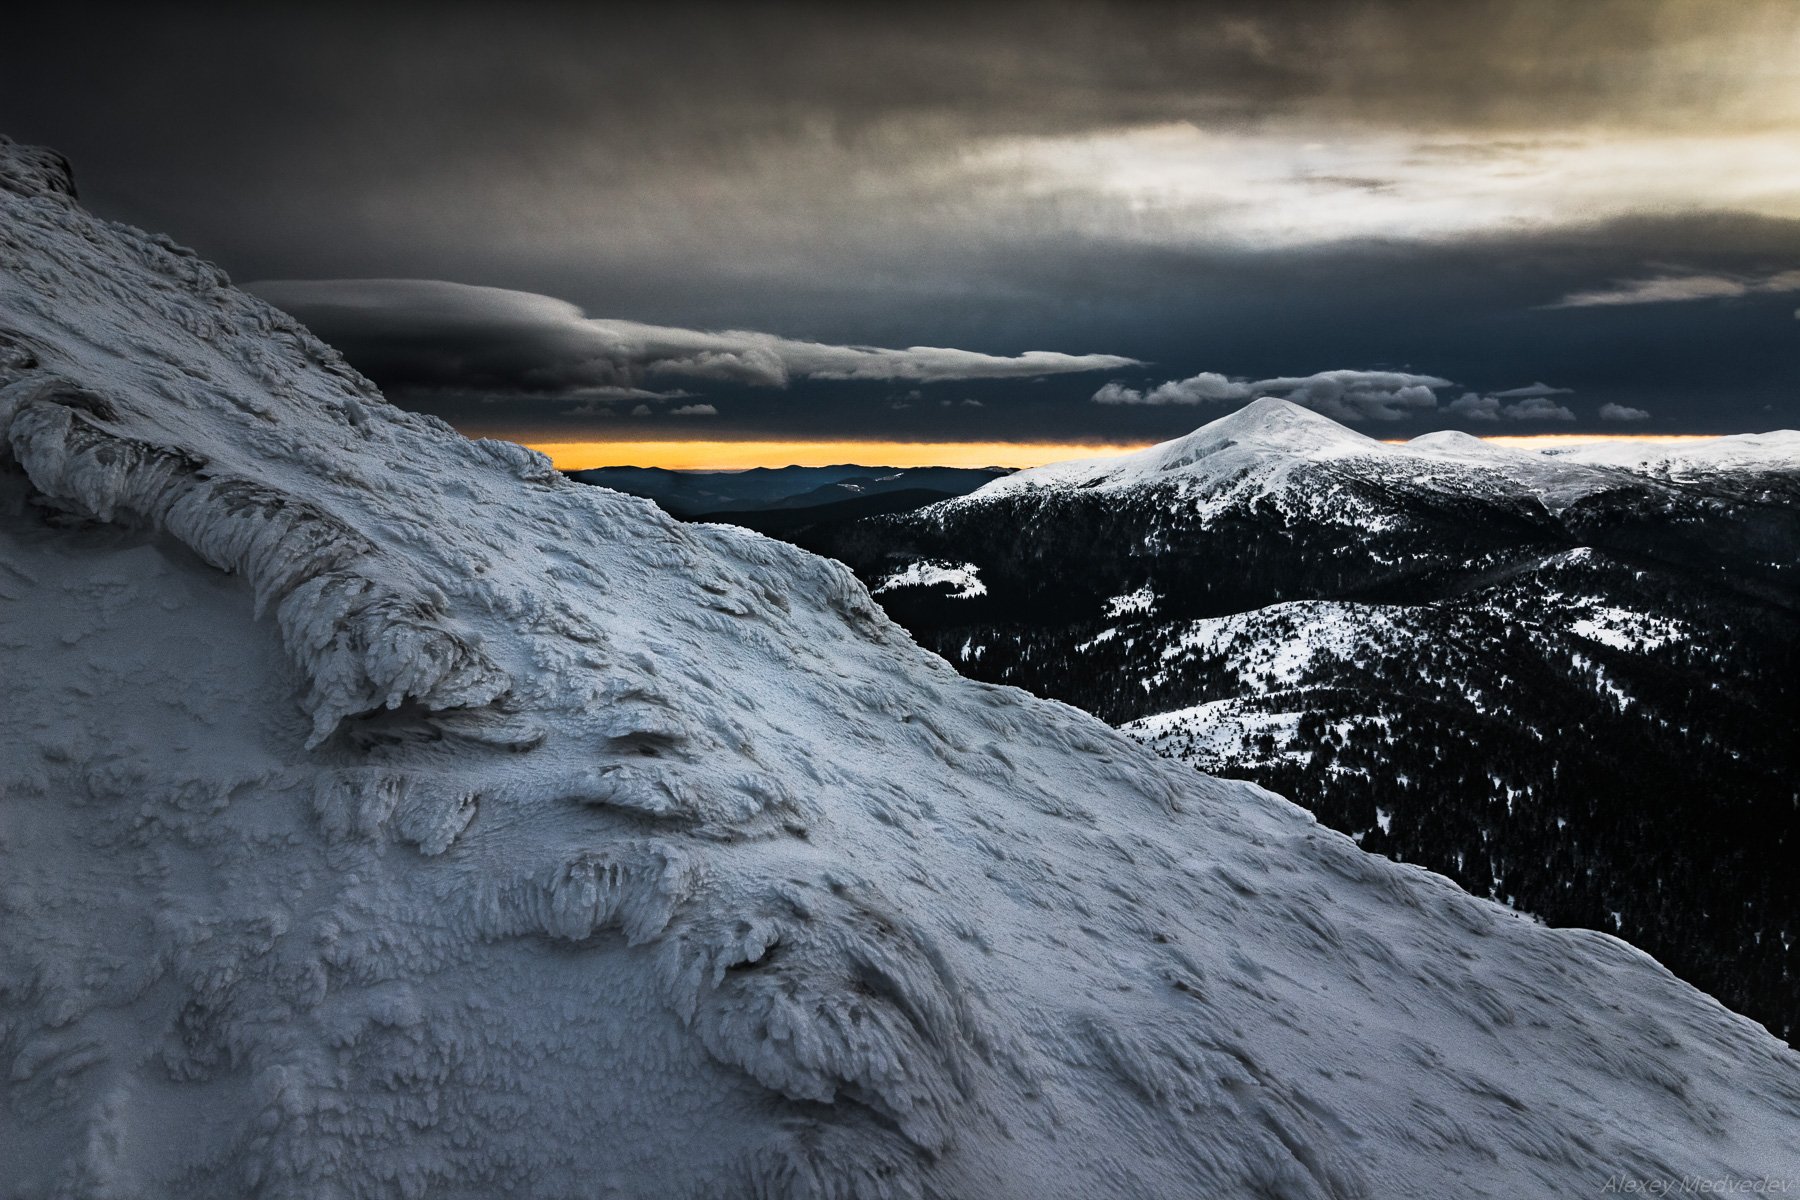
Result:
34,170
383,816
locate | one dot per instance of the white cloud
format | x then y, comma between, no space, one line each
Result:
1674,289
1343,395
1536,389
1537,408
1622,412
1206,387
1475,407
452,334
1284,185
694,410
1359,395
1531,403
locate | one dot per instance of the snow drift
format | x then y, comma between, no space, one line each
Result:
384,815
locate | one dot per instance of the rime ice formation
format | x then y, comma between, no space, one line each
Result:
386,816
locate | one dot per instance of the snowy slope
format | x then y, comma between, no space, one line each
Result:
384,815
1280,651
1777,451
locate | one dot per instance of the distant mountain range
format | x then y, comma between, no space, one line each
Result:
716,495
1563,680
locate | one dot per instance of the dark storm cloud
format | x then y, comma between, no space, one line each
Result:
1230,187
337,140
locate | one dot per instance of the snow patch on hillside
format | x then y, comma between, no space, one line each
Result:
1279,646
1219,733
1130,604
964,578
1623,629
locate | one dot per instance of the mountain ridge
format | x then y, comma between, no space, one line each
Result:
1476,635
388,815
1258,448
693,494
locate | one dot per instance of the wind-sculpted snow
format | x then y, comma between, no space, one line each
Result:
385,816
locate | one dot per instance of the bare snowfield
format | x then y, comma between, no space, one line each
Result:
383,815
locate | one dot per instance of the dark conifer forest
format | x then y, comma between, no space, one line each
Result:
1581,711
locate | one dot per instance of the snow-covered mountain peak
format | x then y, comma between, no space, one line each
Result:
1276,448
384,814
1269,426
1284,425
1456,442
1265,435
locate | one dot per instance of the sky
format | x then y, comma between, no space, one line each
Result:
1041,226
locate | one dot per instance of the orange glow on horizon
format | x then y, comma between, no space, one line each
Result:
738,456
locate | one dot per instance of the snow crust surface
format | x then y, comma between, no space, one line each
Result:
383,815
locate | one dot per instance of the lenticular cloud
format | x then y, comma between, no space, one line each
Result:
422,332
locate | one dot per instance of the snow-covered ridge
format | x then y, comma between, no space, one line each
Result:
1283,646
532,843
1263,429
1775,452
1271,444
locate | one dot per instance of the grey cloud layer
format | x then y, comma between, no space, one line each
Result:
1363,396
1677,288
1343,395
775,133
415,333
1529,403
1255,182
1474,406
